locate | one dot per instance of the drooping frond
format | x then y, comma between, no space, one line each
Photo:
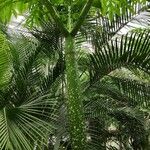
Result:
4,60
106,107
27,114
131,51
51,44
107,27
135,90
49,37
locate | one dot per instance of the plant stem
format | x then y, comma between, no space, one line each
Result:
81,19
74,103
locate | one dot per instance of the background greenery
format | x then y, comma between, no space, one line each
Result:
57,94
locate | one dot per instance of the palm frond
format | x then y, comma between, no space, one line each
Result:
53,74
49,37
106,27
139,92
122,119
28,108
133,124
27,123
4,60
131,51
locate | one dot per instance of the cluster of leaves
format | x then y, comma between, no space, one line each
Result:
35,9
33,112
28,108
33,108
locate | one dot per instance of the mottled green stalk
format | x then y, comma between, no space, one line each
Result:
74,103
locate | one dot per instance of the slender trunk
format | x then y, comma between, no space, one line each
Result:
74,103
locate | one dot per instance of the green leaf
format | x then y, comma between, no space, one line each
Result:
97,4
4,60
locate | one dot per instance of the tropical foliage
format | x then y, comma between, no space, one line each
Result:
56,94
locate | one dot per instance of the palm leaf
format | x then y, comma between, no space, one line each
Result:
4,60
21,127
139,92
131,51
106,27
27,114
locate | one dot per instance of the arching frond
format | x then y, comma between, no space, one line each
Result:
106,27
4,60
131,51
135,90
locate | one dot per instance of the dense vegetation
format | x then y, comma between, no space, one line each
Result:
70,82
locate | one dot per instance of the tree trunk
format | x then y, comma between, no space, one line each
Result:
74,103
